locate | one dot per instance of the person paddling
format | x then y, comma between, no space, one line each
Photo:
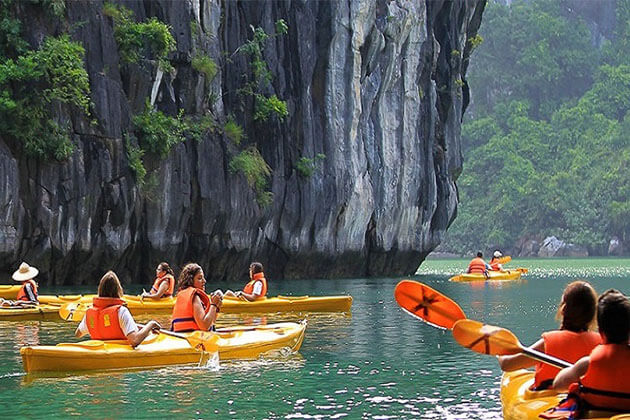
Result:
27,295
572,341
600,380
478,265
494,262
109,319
164,283
256,288
194,309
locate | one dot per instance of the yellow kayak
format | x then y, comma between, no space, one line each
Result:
519,403
24,313
9,292
492,275
139,306
161,349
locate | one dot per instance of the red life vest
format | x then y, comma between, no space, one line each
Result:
183,313
249,287
102,319
22,295
605,384
477,265
158,282
566,345
494,264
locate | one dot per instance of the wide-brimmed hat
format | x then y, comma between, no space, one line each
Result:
25,272
497,254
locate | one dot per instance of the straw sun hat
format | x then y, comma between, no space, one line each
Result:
25,272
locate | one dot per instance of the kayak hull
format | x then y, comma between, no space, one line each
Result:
37,313
519,403
139,306
161,350
8,291
492,275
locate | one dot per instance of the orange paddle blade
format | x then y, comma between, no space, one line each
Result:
486,339
203,341
427,304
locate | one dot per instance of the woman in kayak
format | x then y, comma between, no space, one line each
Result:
256,288
109,319
571,342
194,309
600,379
164,283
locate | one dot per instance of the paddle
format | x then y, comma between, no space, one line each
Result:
497,341
427,304
73,311
204,341
505,259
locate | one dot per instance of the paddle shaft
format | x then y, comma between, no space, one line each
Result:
167,332
545,358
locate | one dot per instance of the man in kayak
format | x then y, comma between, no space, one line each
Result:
194,309
27,295
601,379
494,262
256,288
478,265
109,319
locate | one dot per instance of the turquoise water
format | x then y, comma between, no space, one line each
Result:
377,363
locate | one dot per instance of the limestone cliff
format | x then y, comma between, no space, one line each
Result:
376,86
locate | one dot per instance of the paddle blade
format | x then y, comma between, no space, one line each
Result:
73,311
486,339
203,341
427,304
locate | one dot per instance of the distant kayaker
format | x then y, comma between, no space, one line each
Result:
164,283
494,262
256,288
109,319
27,295
601,379
572,341
194,309
478,265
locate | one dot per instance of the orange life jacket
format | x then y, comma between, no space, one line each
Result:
477,265
494,264
183,314
102,319
158,282
22,295
249,287
605,384
566,345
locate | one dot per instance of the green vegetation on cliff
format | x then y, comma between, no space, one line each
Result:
34,81
547,148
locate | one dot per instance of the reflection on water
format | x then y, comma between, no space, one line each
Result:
377,362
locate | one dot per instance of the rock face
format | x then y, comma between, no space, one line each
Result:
377,86
554,247
615,246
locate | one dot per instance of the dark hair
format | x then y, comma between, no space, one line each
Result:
256,267
109,286
187,276
165,267
613,316
577,307
480,254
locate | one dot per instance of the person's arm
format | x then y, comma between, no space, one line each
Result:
81,329
160,292
134,335
572,374
205,320
520,361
